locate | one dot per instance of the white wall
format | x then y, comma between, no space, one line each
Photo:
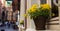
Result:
30,22
22,12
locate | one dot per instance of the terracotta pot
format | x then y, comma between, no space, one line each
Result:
40,23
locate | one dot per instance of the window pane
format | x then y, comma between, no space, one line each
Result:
43,1
54,9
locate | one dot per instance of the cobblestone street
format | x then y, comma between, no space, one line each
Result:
7,29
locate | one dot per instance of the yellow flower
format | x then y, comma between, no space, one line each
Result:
21,21
25,15
33,8
53,14
45,6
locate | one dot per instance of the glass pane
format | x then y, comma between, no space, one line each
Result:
54,9
43,1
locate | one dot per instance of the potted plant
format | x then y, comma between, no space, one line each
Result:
39,15
22,22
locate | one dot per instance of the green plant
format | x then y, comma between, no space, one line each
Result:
35,10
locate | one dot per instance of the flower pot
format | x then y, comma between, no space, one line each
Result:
40,23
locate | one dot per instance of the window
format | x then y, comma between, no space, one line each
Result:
54,9
43,1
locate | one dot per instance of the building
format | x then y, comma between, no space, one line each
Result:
9,7
0,8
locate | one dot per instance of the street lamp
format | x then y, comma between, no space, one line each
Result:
57,4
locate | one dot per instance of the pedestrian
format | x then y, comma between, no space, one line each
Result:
3,19
2,30
8,24
17,23
2,23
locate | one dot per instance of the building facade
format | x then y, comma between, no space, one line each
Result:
0,8
9,7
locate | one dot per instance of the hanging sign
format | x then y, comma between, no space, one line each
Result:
8,3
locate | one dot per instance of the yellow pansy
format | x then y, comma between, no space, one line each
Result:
36,11
25,15
29,10
21,21
53,14
33,8
45,6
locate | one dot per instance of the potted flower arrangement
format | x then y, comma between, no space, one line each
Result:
22,22
39,15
